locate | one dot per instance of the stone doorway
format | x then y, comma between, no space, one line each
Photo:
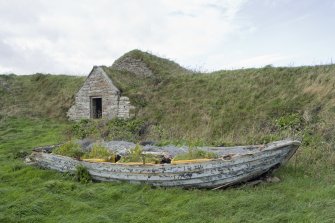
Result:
96,107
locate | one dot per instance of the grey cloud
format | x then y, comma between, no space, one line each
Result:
71,36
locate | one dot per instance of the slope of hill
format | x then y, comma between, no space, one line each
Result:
233,106
225,107
37,95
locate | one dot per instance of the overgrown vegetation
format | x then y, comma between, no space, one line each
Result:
70,149
245,106
100,152
82,175
136,155
30,194
115,129
73,149
38,95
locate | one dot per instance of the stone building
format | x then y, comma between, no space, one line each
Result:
99,98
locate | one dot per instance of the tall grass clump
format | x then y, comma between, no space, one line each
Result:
100,152
70,149
138,156
134,155
82,175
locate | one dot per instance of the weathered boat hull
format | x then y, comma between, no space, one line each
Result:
211,174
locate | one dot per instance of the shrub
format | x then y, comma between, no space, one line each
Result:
121,129
70,149
82,175
20,154
84,128
115,129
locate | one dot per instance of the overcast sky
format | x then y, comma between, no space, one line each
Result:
70,37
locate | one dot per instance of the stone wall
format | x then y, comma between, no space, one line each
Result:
124,108
98,84
133,65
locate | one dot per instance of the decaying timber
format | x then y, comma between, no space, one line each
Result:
231,168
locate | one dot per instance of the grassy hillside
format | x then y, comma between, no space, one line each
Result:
233,106
38,95
222,108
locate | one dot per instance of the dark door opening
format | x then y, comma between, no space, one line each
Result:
96,107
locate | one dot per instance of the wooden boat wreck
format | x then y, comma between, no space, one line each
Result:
235,165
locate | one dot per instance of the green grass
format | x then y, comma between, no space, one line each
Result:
100,152
38,95
30,194
70,149
233,107
246,106
159,66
